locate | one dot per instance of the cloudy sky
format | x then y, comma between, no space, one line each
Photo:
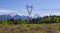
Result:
41,7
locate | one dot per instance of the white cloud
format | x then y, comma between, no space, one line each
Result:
2,11
5,11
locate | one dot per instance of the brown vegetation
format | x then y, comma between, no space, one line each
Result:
31,28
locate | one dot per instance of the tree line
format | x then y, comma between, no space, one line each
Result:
45,20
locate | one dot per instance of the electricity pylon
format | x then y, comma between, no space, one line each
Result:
29,9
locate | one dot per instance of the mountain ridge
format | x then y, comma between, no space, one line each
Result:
15,16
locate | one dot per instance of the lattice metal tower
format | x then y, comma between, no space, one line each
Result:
29,9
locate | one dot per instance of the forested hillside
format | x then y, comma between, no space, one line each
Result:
45,20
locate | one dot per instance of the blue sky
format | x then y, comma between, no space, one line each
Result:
41,7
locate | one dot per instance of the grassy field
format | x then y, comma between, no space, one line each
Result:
31,28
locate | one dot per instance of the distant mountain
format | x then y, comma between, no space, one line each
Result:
15,16
3,17
26,18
